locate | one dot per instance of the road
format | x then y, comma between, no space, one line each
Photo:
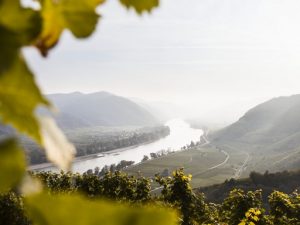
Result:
204,137
206,142
286,157
216,166
239,172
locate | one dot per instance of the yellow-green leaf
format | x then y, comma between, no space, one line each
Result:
140,5
18,27
12,164
58,149
79,16
19,96
76,210
25,23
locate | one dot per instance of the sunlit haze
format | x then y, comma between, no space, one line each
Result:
214,59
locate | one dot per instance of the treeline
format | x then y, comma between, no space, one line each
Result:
133,138
106,143
123,164
286,181
238,208
110,168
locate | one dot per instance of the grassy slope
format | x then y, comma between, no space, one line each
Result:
201,162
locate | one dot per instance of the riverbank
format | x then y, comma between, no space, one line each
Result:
181,134
44,166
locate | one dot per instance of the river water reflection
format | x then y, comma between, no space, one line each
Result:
181,134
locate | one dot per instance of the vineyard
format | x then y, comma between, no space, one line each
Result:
238,208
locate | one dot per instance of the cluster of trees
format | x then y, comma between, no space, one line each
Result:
131,139
238,208
106,143
191,145
112,168
125,163
155,155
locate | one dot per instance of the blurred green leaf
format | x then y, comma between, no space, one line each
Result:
19,96
140,5
25,23
65,209
79,16
12,164
58,149
18,27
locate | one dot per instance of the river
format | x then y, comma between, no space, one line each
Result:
180,135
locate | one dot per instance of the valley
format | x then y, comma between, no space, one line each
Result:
207,164
169,113
258,141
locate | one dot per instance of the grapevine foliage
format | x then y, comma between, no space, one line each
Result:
19,98
65,192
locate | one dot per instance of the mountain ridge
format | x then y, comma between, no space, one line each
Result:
269,132
77,110
273,119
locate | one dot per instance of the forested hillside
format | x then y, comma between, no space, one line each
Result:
274,124
269,133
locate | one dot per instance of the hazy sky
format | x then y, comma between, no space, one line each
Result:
218,55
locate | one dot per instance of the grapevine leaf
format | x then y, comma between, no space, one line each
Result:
19,97
18,27
12,164
25,23
66,208
19,94
56,145
140,5
79,16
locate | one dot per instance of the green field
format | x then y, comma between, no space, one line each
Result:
264,159
208,165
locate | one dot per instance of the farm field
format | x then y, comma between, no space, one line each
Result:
208,165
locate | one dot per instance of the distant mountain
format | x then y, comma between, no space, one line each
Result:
270,132
78,110
274,121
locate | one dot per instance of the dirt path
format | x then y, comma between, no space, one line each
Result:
239,172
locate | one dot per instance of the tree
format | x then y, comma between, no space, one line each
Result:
145,158
153,155
284,208
11,210
178,192
192,144
238,203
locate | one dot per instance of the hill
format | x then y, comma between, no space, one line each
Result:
79,110
270,132
271,121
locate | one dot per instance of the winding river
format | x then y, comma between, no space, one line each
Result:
181,134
